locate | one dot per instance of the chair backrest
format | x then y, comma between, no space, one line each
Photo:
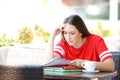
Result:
26,55
116,56
21,73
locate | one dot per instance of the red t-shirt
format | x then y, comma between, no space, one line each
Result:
94,49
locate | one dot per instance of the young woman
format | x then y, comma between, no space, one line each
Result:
79,45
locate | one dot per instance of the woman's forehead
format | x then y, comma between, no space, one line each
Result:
69,26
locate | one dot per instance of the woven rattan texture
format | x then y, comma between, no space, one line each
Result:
21,73
116,56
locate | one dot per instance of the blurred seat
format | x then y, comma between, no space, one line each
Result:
21,73
116,56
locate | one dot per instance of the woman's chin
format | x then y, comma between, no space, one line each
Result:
70,44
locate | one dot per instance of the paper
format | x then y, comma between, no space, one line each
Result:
57,62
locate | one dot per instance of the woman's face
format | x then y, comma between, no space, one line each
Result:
72,35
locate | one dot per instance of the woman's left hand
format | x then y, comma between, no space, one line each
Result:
77,62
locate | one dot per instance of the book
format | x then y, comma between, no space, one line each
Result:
68,68
57,62
60,65
61,70
71,67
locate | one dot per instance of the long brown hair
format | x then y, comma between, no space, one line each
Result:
77,21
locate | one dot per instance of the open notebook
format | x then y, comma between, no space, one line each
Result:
26,56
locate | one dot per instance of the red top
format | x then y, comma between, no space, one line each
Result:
94,49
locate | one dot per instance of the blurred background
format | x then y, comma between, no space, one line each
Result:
32,21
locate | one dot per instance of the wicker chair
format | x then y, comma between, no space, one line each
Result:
21,73
116,56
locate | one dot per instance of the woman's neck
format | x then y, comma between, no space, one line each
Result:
82,41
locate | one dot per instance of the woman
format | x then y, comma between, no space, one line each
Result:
79,45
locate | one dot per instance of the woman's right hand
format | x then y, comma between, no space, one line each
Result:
57,30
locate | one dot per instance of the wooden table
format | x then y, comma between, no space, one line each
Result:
79,75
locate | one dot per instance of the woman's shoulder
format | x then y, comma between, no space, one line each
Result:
94,37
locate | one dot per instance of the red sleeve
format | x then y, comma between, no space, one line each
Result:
102,50
59,48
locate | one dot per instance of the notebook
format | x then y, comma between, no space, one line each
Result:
63,69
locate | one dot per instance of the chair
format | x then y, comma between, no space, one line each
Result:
21,72
116,56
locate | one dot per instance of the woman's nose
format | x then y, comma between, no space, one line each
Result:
68,36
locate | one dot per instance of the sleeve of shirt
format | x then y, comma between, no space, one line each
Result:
103,51
59,48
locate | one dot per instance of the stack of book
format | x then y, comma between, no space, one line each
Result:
59,64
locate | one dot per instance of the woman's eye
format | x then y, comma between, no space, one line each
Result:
72,33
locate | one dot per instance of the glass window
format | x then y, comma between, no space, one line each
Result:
97,9
91,9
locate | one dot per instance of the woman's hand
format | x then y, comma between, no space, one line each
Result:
107,65
77,62
58,30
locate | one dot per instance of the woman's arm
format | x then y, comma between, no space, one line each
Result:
107,65
56,32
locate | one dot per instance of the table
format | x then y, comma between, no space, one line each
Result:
79,75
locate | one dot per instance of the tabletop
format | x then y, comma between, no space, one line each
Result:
79,75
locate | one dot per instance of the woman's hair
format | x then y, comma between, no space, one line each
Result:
78,23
